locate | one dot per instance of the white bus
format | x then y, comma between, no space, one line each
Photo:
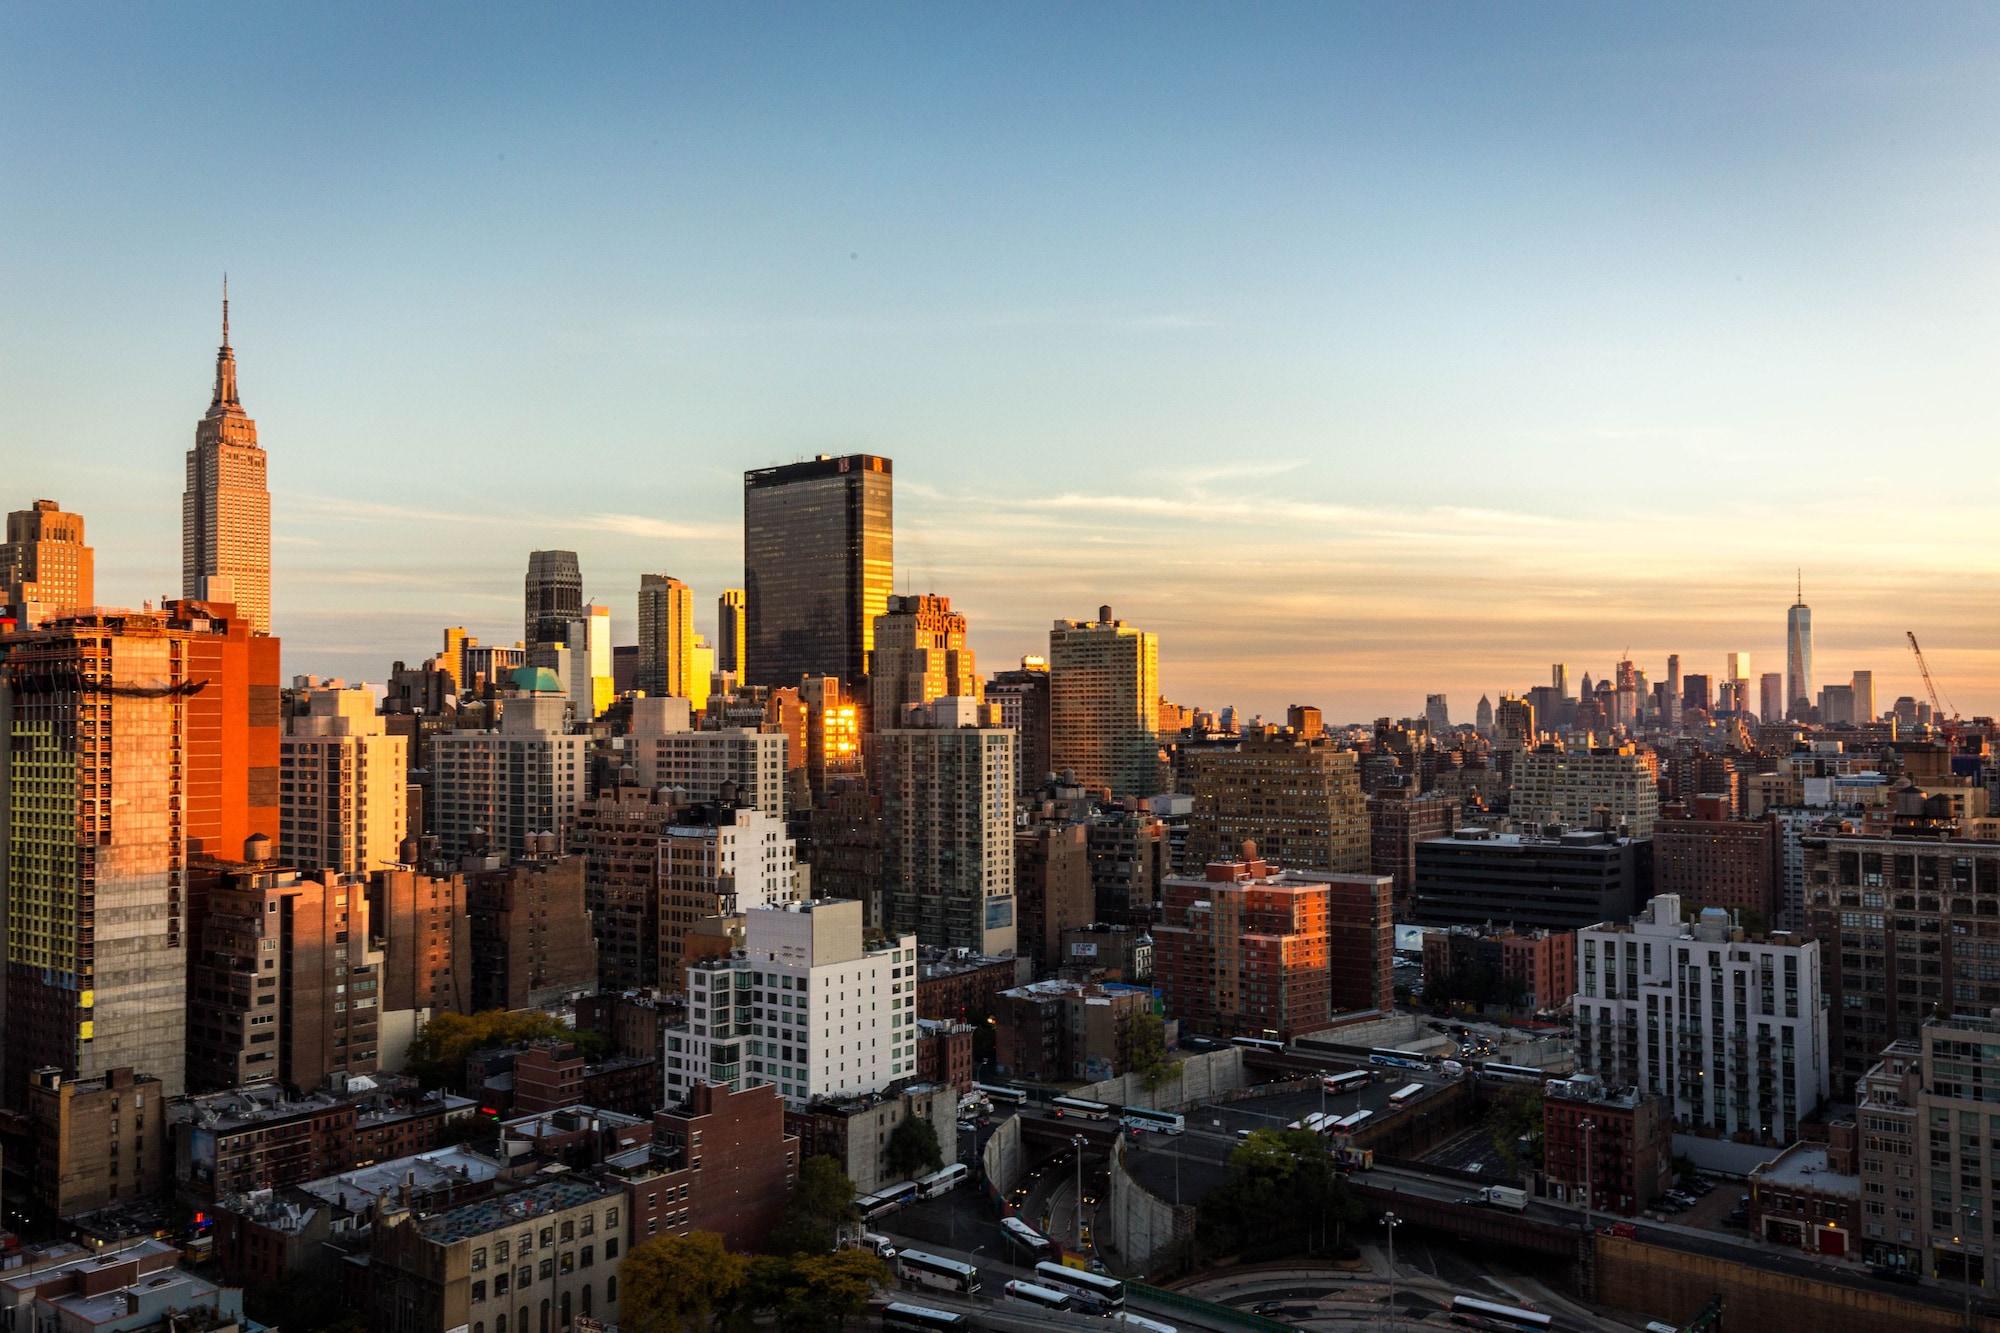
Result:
1078,1107
941,1182
1353,1122
885,1201
1032,1244
1130,1320
896,1314
1145,1117
1405,1093
1029,1294
1259,1044
1317,1122
1093,1292
928,1270
1000,1094
1486,1314
1398,1059
1354,1080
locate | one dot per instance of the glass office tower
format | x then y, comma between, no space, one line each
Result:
818,557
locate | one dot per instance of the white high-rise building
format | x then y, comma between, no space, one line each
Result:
806,1005
1573,787
667,752
1732,1030
503,787
719,861
1798,656
342,785
946,785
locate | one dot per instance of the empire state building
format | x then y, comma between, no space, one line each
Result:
226,509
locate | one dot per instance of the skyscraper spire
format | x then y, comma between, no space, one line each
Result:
225,365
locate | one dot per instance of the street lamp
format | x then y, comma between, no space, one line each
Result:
1391,1221
1079,1141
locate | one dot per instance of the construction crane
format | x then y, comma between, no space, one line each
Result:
1946,717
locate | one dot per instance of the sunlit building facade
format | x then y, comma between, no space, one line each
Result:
919,655
818,563
666,636
226,508
1104,697
45,567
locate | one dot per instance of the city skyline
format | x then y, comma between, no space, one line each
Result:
1399,356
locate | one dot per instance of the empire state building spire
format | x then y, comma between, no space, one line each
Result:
226,509
225,365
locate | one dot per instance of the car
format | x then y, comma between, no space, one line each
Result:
1268,1308
1623,1230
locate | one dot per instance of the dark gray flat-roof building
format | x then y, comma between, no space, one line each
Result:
818,562
1567,882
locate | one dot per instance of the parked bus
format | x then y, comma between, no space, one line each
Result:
885,1201
1317,1122
1145,1117
1139,1321
1485,1314
928,1270
1259,1044
1029,1294
942,1182
1398,1059
1033,1245
1349,1124
1405,1094
1093,1291
1354,1080
1000,1094
1493,1069
896,1314
1079,1107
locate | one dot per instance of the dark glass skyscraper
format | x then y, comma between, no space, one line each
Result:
554,599
818,559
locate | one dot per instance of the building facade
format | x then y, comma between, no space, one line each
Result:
666,636
46,570
1730,1029
1611,1145
1104,694
919,654
497,790
818,566
226,508
1244,951
553,597
741,764
947,806
1478,877
1298,797
808,1005
342,780
1615,787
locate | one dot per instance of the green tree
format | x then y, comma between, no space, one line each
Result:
822,1203
675,1283
1516,1119
437,1055
1282,1197
1149,1058
912,1149
836,1286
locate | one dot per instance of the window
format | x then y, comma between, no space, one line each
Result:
611,1249
478,1292
479,1260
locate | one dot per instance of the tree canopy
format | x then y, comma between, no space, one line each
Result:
437,1056
1149,1058
912,1149
1282,1197
822,1203
672,1284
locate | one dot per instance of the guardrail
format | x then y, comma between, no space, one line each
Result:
1209,1310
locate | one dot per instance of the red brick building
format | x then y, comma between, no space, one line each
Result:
1052,888
1361,942
944,1053
1713,860
532,944
961,988
1809,1196
1480,967
1614,1142
723,1163
1399,819
1243,950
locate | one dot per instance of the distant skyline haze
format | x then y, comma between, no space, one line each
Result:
1359,352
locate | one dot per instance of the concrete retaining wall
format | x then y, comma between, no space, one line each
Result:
1200,1078
1660,1283
1141,1231
1001,1159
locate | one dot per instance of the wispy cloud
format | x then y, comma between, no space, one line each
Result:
661,529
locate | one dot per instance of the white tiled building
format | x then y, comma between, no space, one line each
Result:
526,778
667,752
1731,1030
806,1006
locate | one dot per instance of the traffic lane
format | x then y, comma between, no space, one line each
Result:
994,1274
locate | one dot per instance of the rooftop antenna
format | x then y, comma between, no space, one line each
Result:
225,308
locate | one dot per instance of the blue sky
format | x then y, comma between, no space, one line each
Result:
1361,351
